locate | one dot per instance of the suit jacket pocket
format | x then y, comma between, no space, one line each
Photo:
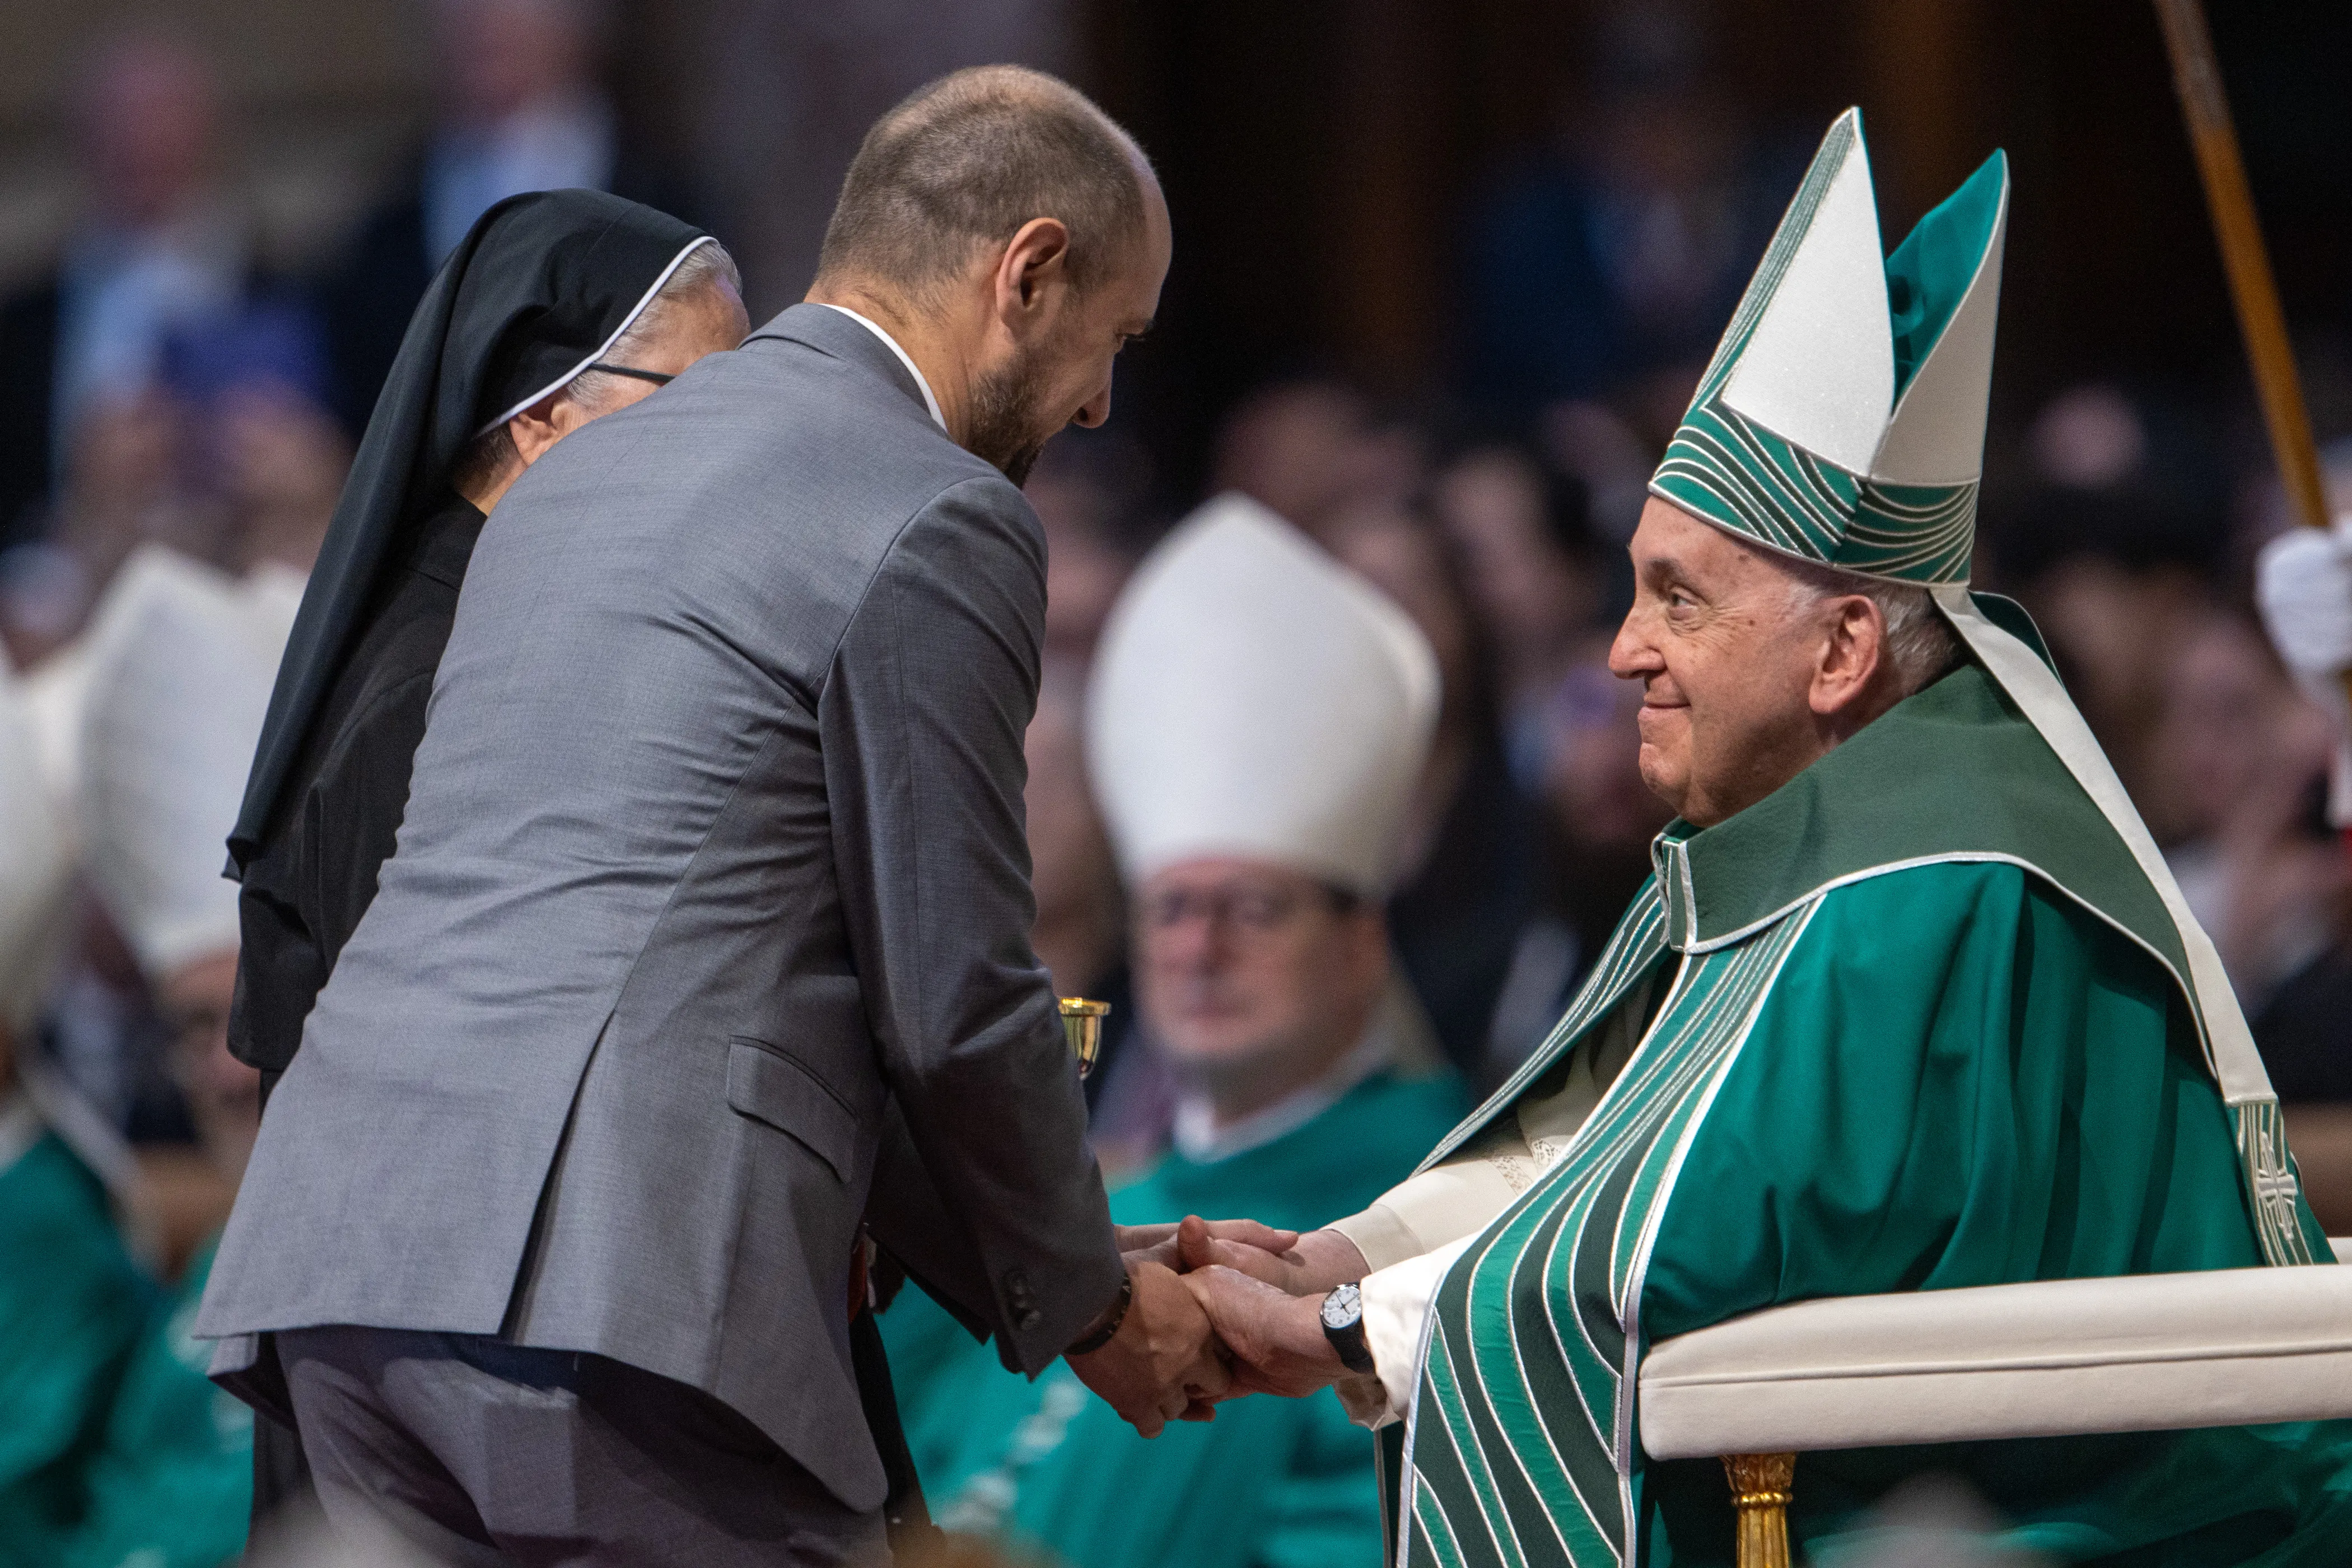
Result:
770,1087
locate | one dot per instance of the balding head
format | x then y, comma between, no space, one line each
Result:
957,168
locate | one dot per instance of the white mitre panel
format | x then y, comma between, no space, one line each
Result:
182,661
1938,434
1254,698
1819,370
34,860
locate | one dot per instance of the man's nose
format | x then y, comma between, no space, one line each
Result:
1095,409
1631,654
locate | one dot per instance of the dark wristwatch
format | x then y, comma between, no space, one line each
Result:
1343,1325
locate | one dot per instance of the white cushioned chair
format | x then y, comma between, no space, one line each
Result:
2056,1358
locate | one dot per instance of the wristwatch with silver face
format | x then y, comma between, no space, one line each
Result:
1343,1325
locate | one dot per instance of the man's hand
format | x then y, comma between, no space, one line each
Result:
1158,1243
1276,1340
1311,1265
1162,1364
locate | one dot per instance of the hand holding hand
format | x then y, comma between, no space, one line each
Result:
1159,1243
1276,1340
1162,1364
1309,1265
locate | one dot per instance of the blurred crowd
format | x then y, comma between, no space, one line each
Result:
162,390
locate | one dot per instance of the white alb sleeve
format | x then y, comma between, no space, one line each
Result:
1397,1302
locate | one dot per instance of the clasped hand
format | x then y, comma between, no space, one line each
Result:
1220,1309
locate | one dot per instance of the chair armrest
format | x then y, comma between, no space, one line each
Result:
2054,1358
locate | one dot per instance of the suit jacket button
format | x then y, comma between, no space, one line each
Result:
1027,1319
1017,1294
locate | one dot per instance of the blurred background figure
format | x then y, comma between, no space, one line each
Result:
519,105
120,1449
1258,722
159,248
1466,884
1596,268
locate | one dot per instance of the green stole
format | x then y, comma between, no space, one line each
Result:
1521,1445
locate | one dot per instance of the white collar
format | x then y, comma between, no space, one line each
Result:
930,403
1199,1139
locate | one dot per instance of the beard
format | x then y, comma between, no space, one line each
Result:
1008,426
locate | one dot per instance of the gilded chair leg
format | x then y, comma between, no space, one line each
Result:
1762,1486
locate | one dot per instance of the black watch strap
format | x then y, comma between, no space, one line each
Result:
1108,1328
1343,1325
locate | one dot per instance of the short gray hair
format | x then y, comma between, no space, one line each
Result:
1919,642
493,452
707,266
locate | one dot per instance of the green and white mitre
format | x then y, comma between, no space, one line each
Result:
1842,421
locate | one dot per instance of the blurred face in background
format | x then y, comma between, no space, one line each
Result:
499,56
1255,978
224,1095
149,130
1494,508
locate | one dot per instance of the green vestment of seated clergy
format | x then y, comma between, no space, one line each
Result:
1921,1027
71,1303
1270,1483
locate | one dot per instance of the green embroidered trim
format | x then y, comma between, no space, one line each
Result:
1725,469
2271,1184
1521,1445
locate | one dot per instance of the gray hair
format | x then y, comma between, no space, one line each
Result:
1920,644
707,266
492,452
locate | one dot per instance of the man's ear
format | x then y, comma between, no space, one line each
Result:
1033,271
1853,654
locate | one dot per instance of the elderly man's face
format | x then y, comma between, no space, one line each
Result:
224,1094
1243,966
1747,680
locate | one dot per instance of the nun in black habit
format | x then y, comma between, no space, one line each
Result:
559,306
505,354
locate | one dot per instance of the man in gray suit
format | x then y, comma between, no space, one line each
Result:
708,931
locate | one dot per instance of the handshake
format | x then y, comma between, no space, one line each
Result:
1219,1309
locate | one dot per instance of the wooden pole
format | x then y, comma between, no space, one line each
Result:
2198,78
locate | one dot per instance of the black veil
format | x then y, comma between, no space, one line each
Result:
537,290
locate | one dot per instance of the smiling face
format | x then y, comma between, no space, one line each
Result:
1748,676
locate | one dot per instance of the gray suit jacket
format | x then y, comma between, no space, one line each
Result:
707,925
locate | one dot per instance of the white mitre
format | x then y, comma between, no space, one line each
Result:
1254,698
36,861
181,661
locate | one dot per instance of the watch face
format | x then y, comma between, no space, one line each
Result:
1343,1307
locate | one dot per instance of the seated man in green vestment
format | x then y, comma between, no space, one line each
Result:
180,670
71,1300
1910,1004
1258,718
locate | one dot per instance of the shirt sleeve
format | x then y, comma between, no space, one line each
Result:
1397,1300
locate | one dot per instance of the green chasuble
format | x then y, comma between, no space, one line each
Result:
1913,1026
1273,1482
71,1303
172,1484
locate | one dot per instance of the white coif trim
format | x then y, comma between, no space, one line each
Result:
569,376
2048,1359
2228,1043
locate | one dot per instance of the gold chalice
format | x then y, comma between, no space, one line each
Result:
1082,1028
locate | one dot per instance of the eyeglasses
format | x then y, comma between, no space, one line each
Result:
657,377
1248,909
